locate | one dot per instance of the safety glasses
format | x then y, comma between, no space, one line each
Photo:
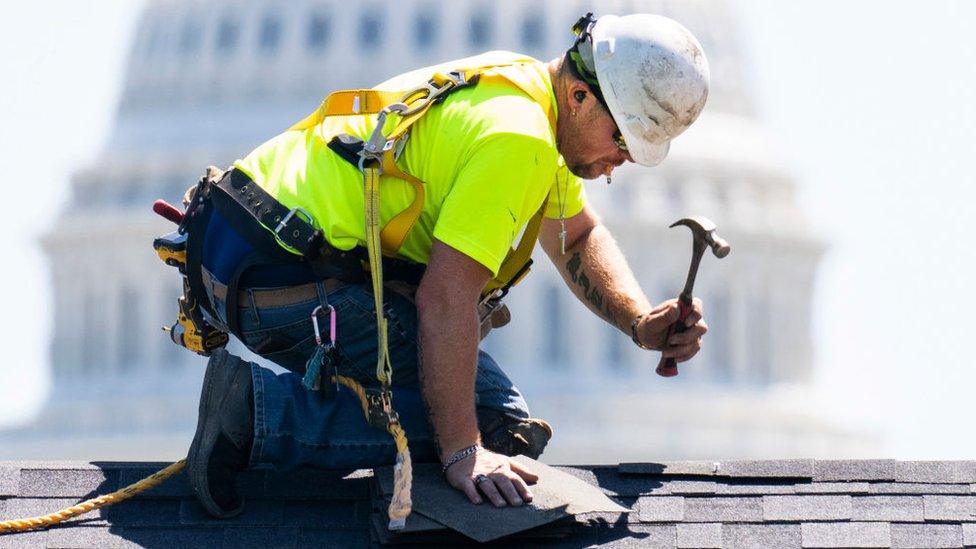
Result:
618,140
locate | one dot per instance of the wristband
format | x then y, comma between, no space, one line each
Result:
633,332
461,455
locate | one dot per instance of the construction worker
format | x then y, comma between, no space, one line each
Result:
491,154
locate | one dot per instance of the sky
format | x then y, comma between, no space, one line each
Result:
872,103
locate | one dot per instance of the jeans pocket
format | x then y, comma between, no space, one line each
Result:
288,346
357,337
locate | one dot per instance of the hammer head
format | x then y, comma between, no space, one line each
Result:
703,230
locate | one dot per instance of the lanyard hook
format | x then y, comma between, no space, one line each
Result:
332,325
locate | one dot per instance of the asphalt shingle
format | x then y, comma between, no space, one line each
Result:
182,536
700,536
661,509
956,508
889,508
846,534
326,514
854,469
76,537
833,488
755,536
34,507
723,509
946,472
177,486
86,482
9,481
913,536
696,468
260,538
969,534
684,504
800,508
744,487
331,538
256,513
144,512
691,487
774,468
651,536
315,484
917,488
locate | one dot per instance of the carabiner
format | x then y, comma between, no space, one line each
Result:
332,326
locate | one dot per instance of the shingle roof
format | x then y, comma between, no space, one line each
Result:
790,503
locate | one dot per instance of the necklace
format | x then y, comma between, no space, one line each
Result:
561,200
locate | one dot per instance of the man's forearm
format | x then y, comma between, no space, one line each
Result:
448,363
596,271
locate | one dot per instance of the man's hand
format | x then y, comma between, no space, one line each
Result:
653,329
505,483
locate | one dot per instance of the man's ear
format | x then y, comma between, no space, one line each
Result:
576,94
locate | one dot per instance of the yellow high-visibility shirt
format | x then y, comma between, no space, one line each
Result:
487,156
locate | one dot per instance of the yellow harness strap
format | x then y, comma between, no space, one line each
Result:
399,227
368,101
348,102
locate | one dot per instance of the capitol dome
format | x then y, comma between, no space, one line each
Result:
208,81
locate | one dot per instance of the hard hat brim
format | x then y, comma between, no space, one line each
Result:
642,151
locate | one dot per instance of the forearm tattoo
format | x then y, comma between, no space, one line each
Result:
591,294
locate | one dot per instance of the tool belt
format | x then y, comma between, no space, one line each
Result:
269,228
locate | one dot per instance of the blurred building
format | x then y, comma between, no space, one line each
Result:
208,81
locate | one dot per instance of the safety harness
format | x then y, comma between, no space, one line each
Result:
376,157
282,235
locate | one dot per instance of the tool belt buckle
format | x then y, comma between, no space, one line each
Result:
380,407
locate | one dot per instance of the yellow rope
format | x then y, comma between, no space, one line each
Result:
401,504
46,521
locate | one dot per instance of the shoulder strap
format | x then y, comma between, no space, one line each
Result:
416,102
372,101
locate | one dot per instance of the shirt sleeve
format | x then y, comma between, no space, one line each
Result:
496,192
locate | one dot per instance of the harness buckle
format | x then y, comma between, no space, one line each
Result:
377,142
305,216
380,408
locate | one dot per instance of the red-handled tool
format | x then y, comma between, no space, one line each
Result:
168,211
703,231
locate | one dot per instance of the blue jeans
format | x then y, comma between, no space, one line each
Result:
294,426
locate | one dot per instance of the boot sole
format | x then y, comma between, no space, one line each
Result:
220,374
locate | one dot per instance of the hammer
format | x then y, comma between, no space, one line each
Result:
703,231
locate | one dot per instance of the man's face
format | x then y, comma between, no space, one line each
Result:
589,141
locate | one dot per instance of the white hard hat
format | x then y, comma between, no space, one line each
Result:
652,74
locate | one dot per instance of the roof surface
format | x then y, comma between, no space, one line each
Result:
790,503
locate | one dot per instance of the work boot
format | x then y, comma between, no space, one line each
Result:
512,436
225,431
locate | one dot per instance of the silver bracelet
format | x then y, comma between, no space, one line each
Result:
461,455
